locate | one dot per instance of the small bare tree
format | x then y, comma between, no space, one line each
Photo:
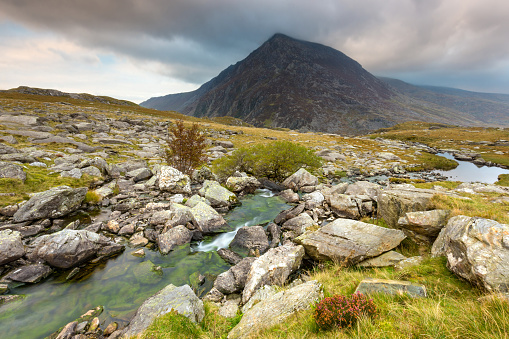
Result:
186,150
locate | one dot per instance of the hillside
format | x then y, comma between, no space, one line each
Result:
303,85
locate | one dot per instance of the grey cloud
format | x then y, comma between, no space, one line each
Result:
195,39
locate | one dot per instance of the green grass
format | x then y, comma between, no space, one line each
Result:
38,180
428,161
503,180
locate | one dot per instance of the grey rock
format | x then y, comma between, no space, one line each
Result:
276,309
300,179
176,236
207,220
289,196
92,171
390,258
68,248
229,309
289,214
348,241
235,278
344,206
12,171
217,194
262,293
248,238
409,262
313,200
394,203
363,188
296,226
334,190
68,331
423,226
244,185
229,256
369,286
29,273
204,173
194,200
20,157
173,181
53,203
275,234
181,299
11,247
74,173
476,250
273,268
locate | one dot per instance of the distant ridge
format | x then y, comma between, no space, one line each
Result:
79,96
304,85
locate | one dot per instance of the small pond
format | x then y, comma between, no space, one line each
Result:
122,284
469,172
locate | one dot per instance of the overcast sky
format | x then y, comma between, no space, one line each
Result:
136,49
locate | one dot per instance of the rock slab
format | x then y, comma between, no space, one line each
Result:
369,286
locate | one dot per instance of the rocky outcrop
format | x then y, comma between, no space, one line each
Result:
348,241
476,250
276,308
299,179
235,278
53,203
181,299
68,248
11,247
273,268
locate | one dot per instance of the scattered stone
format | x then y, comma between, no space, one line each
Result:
12,171
248,238
207,220
390,258
426,223
30,273
300,179
229,256
397,287
112,226
235,278
289,196
11,246
296,226
217,194
68,331
176,236
139,253
174,181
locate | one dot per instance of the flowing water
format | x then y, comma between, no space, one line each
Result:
469,172
122,284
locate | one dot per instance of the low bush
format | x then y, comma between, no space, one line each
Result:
342,311
276,161
186,150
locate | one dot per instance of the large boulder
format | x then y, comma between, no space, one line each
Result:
393,203
250,238
12,171
53,203
424,226
243,185
313,200
207,220
348,241
273,268
300,179
235,278
68,248
363,188
477,250
217,194
11,247
173,237
344,206
181,299
296,226
174,181
276,308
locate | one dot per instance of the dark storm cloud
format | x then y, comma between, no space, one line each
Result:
195,39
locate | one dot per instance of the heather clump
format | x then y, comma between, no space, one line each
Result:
342,311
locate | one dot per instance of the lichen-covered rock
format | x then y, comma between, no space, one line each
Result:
344,206
427,224
181,299
68,248
235,278
53,203
217,194
300,179
313,200
273,268
296,226
207,220
173,237
349,241
173,181
275,309
11,247
477,250
244,185
12,171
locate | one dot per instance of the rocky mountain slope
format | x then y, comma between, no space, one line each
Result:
303,85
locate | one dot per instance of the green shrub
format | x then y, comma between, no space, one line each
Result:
342,311
276,160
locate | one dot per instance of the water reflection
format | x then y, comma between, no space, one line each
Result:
468,172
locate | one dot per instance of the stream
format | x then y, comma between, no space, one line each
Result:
123,283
